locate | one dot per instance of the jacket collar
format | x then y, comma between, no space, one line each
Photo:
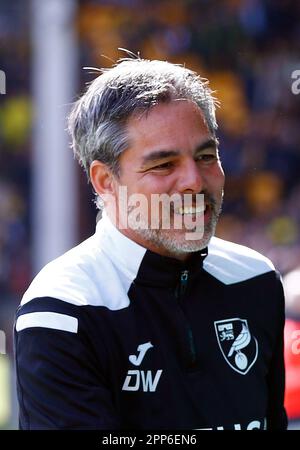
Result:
142,265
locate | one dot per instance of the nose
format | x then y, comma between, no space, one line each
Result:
190,178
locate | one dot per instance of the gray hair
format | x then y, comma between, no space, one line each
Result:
97,123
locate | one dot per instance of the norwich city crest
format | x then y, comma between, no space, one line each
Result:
236,343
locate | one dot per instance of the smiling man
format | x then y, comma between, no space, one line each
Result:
143,326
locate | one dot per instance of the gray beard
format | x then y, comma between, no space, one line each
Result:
175,242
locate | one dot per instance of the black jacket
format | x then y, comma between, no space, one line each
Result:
111,335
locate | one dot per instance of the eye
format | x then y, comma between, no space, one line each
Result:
207,158
166,165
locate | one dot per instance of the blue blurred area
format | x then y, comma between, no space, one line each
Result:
248,50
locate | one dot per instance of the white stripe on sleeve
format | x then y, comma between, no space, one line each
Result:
52,320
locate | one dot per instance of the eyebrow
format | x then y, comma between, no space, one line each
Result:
161,154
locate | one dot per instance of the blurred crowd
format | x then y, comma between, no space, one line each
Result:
248,50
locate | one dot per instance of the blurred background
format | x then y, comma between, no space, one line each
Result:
248,49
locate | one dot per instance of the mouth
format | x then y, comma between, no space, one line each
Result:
190,210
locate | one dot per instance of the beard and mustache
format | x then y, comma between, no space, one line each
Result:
191,236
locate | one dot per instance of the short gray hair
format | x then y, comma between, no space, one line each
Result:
97,123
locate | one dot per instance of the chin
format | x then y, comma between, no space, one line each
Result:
176,244
189,245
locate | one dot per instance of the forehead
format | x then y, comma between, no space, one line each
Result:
177,125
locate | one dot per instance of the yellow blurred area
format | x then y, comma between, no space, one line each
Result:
15,121
172,13
153,48
100,26
234,113
283,230
264,192
103,27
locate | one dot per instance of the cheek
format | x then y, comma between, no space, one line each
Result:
154,184
216,179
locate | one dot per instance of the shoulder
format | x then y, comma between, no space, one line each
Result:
83,276
233,263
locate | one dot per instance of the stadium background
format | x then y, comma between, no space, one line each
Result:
248,50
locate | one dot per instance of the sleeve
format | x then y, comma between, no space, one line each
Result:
59,381
276,414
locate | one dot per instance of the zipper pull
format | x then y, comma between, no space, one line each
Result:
183,281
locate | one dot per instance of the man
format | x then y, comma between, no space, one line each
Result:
151,324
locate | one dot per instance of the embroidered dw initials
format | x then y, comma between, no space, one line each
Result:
136,377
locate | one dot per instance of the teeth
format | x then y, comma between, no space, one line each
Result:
190,210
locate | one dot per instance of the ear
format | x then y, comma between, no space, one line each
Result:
101,178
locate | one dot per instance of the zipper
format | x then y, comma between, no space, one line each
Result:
179,293
183,281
